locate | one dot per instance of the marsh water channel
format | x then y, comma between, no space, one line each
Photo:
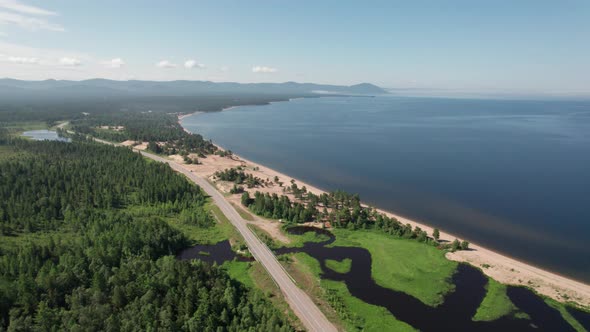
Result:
455,312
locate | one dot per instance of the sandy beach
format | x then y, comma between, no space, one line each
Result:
182,116
500,267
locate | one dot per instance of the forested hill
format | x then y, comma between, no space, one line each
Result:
11,88
85,245
35,106
53,100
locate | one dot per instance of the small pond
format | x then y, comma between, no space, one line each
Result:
211,253
44,135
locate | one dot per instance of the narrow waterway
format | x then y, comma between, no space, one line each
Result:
458,307
454,313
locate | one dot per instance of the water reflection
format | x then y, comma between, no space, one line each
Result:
215,253
458,307
454,313
44,135
582,317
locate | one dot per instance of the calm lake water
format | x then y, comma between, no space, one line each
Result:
513,176
44,135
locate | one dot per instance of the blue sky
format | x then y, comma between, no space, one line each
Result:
527,47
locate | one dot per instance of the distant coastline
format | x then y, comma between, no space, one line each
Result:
500,267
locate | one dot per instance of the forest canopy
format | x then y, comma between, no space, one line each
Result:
85,246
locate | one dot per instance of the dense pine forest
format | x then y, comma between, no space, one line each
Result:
86,246
152,119
53,181
52,109
145,127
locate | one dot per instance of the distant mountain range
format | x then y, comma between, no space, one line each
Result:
11,88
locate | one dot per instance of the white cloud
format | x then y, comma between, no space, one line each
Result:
66,61
113,63
166,64
49,59
27,22
24,9
45,63
263,69
23,60
193,64
224,68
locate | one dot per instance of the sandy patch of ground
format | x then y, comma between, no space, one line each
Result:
273,228
213,163
177,158
182,116
135,144
141,146
128,143
115,128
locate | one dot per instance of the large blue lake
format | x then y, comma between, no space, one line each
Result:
513,176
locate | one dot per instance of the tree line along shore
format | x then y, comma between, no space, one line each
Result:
254,186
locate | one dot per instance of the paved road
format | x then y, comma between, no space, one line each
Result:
301,304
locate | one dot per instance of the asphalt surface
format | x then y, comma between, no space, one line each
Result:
301,304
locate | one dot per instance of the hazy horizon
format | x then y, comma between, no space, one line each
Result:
394,92
530,48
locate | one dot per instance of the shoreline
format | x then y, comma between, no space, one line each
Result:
500,267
